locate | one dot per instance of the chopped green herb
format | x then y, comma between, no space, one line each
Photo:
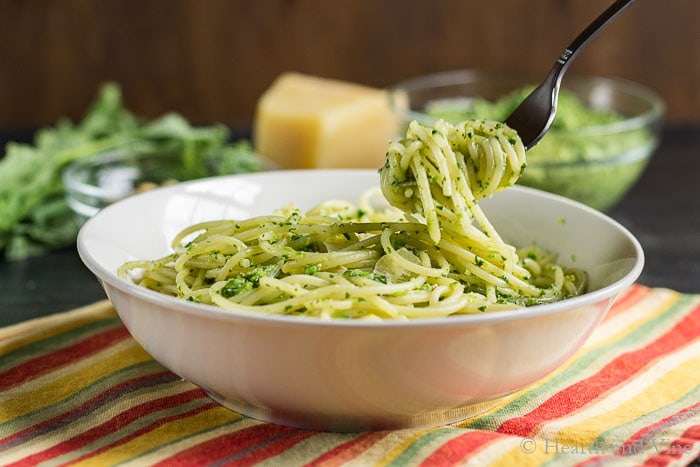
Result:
245,282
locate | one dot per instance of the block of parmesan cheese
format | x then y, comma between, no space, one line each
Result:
304,121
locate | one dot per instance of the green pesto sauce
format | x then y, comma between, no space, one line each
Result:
613,161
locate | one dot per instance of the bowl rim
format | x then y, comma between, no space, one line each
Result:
454,77
211,311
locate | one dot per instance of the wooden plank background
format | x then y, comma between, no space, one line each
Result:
211,59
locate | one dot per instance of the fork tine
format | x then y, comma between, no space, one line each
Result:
533,117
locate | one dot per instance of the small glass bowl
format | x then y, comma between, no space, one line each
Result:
592,163
97,181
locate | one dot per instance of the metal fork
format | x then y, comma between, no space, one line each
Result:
533,117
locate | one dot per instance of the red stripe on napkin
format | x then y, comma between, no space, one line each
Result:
648,433
678,449
47,362
348,451
87,407
246,446
116,423
460,447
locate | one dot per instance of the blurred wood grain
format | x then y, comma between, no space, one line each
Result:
211,59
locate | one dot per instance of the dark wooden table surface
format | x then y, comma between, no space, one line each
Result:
662,210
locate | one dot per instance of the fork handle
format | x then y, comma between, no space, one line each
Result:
590,32
542,101
555,75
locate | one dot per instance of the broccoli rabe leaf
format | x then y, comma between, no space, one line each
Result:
34,216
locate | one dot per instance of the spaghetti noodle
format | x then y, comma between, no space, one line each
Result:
431,253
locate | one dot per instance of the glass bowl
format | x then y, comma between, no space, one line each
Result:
96,181
603,136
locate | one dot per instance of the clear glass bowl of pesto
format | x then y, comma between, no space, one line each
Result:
601,140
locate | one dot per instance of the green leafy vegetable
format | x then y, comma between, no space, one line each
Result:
34,216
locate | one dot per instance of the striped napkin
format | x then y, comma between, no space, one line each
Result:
76,389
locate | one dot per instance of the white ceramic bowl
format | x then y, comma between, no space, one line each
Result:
349,375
